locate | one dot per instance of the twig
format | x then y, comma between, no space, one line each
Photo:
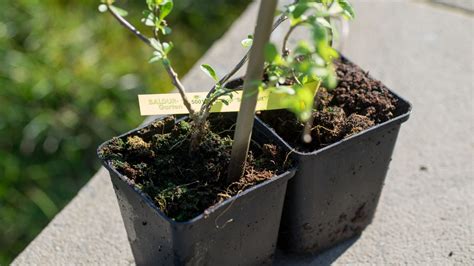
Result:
169,69
287,156
284,49
307,130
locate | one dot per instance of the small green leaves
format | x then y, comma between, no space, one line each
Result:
327,52
119,11
299,9
298,12
209,71
323,22
153,3
165,8
319,33
167,46
224,101
156,44
155,16
247,42
321,40
271,52
303,48
161,50
166,30
107,4
300,99
149,19
295,72
347,7
330,80
150,3
103,8
157,56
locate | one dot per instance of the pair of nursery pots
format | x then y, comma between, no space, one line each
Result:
330,196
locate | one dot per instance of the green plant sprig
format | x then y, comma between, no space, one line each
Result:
154,17
219,90
159,9
310,61
288,72
315,61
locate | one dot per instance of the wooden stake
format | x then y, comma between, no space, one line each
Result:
253,77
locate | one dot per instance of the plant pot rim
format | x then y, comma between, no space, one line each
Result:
146,198
401,118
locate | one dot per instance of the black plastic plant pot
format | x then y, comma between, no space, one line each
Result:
242,230
335,191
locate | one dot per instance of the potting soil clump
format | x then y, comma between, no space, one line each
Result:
184,184
357,103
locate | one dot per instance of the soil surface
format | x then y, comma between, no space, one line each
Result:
183,184
357,103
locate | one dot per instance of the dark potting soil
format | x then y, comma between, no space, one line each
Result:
357,103
182,184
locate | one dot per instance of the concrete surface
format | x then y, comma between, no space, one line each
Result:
425,216
466,5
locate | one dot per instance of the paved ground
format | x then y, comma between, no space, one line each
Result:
422,50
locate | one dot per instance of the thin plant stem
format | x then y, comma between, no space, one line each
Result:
169,69
284,49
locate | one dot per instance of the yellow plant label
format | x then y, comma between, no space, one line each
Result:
171,103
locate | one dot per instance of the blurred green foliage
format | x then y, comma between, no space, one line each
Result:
69,77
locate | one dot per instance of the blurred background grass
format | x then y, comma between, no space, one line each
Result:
69,77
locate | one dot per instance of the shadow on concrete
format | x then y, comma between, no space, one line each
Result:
325,258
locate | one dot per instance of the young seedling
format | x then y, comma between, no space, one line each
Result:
290,72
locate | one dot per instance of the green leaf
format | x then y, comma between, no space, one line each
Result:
150,2
347,7
167,46
226,102
303,48
323,22
319,33
119,11
166,30
149,20
247,42
326,51
165,8
330,81
320,72
153,3
165,61
209,71
103,8
271,52
299,10
317,60
157,56
156,44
